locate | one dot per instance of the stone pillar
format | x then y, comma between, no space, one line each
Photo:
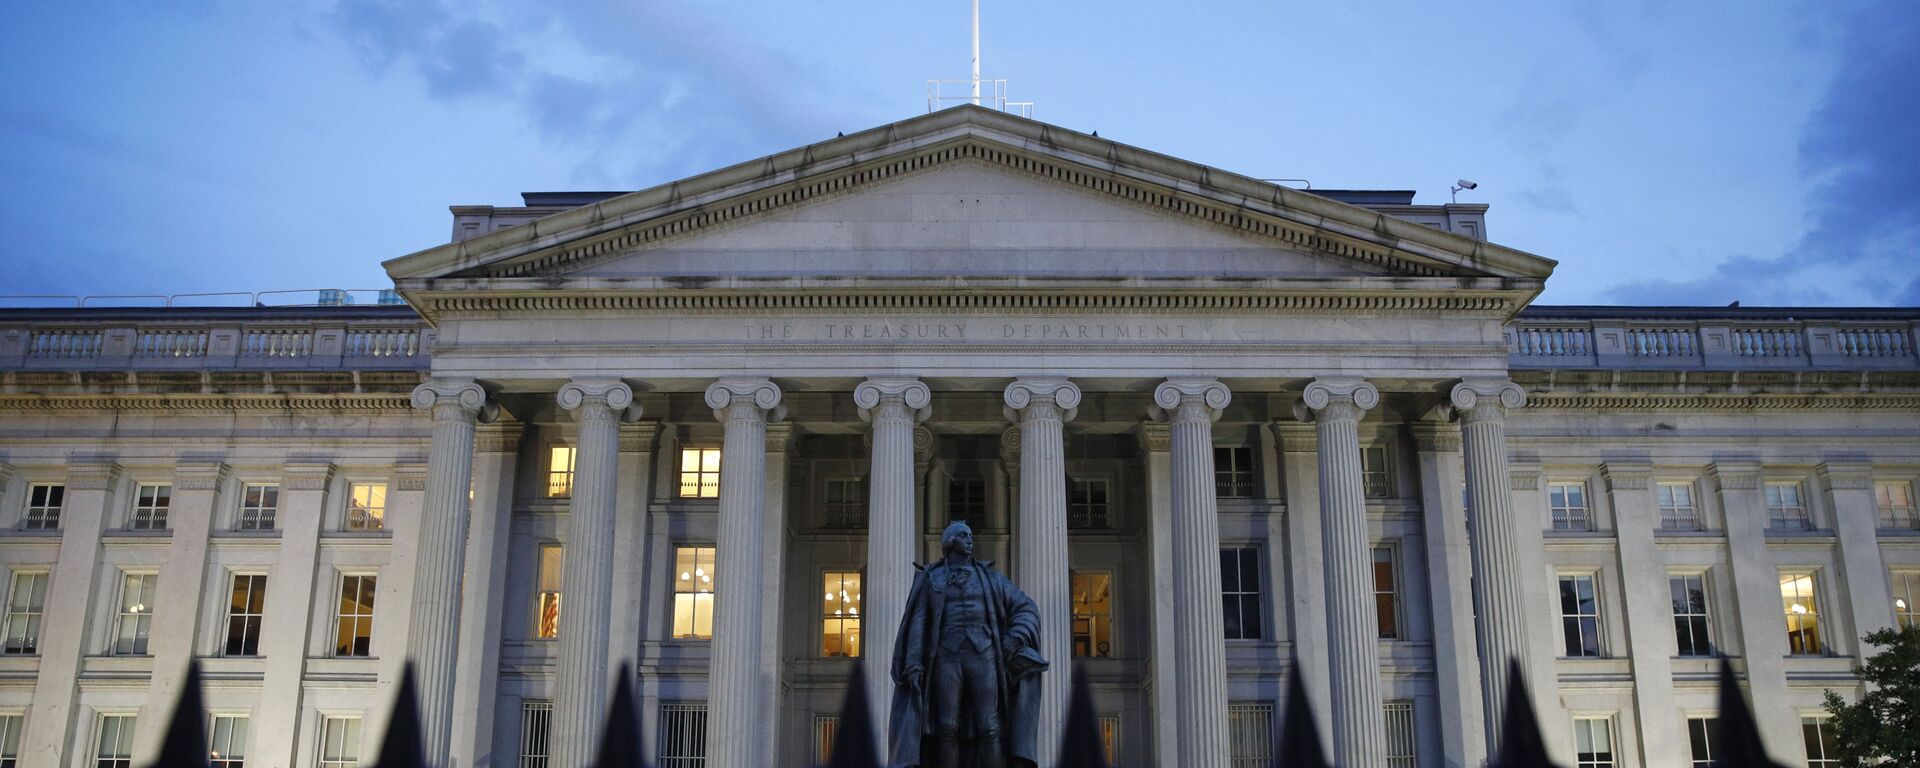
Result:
1306,569
1156,442
736,688
1353,623
1042,407
1495,529
773,553
484,593
1650,638
1856,522
52,725
580,689
457,406
286,639
196,492
893,405
1200,650
1759,615
1450,586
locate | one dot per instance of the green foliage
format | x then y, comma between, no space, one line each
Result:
1885,723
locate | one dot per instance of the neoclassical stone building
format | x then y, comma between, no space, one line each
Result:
1214,427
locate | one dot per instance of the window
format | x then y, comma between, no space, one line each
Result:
536,722
1110,738
1240,592
114,749
1087,504
1092,614
1400,735
353,622
26,599
1386,599
1677,510
1906,598
1817,733
1579,616
10,726
693,596
1703,738
1785,511
1376,471
840,619
546,611
1895,500
1802,611
1690,632
967,499
229,744
1233,472
825,728
846,503
137,591
1569,503
339,742
150,504
44,501
700,475
367,507
245,611
683,736
259,502
1250,734
560,471
1593,742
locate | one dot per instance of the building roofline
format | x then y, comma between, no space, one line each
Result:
1600,311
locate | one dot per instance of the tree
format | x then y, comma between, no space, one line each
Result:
1885,723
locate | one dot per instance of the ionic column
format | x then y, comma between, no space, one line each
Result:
1353,623
893,405
1494,530
580,698
1200,650
433,636
735,688
1042,407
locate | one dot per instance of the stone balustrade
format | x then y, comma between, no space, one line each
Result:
356,338
1728,338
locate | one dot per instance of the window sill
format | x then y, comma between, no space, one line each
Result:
1686,533
1899,533
36,533
239,534
136,533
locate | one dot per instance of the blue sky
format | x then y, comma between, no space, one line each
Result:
1664,153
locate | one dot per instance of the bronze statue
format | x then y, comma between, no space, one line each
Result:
966,674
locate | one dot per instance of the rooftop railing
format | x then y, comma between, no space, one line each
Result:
230,339
1643,339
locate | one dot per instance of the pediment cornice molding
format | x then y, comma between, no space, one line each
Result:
194,403
1655,401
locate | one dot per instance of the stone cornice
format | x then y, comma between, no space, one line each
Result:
1676,401
197,403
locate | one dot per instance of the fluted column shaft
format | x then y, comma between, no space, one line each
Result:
735,692
1042,407
586,586
1494,532
1353,629
1200,650
433,640
893,405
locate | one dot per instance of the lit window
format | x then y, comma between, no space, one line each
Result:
1401,752
536,723
1593,742
1233,472
1240,592
1817,734
340,742
44,501
1087,504
1895,500
114,749
546,615
683,736
246,611
967,500
1677,510
1249,734
1906,598
367,507
228,748
1110,738
1802,612
1579,616
846,503
26,599
1703,739
693,585
1386,599
1569,502
150,504
700,473
1092,614
840,618
1785,511
1690,630
560,472
353,624
1376,471
825,728
10,726
137,592
259,502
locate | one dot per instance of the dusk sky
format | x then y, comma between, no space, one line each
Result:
1664,153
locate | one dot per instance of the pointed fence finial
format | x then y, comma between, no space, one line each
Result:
1739,736
1521,745
1299,737
185,744
401,747
854,743
1081,746
620,741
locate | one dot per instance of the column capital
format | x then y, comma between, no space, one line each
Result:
779,437
1336,398
498,438
639,436
455,398
199,477
6,475
1156,437
1732,476
1025,393
307,477
760,394
1627,477
1435,437
1523,477
410,477
1475,399
1192,397
97,476
1846,476
1296,436
911,392
585,396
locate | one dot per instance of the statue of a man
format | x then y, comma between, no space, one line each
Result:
966,675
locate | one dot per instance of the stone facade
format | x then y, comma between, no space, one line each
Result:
1265,426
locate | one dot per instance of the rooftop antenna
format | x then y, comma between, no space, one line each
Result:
994,99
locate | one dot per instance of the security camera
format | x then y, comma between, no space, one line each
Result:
1464,184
